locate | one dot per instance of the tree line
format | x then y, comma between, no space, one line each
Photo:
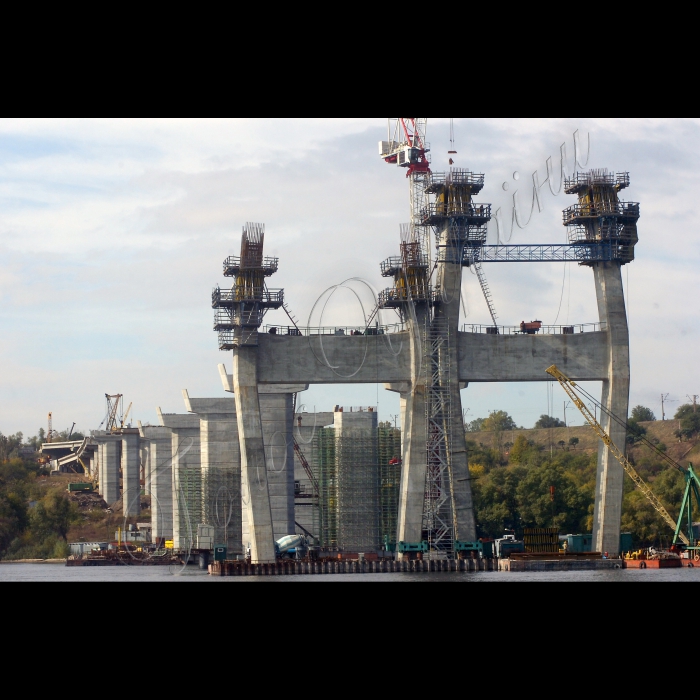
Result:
524,484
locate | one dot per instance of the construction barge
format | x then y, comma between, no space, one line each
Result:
329,567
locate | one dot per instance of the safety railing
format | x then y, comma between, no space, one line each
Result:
543,330
269,298
233,265
251,318
599,178
475,213
457,177
339,331
391,298
624,210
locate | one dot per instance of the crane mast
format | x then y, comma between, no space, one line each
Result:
408,148
568,387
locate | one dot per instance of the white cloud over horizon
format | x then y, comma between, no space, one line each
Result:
112,234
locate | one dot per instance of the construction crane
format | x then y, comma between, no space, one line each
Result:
115,422
692,483
408,148
126,415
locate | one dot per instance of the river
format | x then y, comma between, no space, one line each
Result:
59,572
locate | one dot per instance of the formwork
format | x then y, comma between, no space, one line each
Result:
221,506
359,480
188,512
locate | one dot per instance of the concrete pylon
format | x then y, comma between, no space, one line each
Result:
447,311
276,423
254,485
615,398
414,467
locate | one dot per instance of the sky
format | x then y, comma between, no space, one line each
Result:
113,232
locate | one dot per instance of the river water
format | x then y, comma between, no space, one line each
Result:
59,572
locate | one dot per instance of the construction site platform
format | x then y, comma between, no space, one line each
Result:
325,568
585,561
659,563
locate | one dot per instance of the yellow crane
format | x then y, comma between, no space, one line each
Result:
569,387
126,415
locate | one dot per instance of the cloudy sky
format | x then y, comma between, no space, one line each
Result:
112,234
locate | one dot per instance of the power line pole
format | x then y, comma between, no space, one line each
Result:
694,398
664,397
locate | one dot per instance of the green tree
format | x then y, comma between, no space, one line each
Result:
569,509
642,414
549,422
475,426
635,432
689,418
499,421
524,451
53,516
574,441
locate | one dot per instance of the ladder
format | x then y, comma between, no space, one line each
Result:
485,289
291,316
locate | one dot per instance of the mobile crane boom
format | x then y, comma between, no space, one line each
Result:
569,387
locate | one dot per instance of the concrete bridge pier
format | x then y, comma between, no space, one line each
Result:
615,398
221,469
254,484
131,475
160,484
186,477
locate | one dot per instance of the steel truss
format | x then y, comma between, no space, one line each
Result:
563,252
438,508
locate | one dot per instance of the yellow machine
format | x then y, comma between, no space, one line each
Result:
569,388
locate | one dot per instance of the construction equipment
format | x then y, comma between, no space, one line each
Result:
116,420
126,415
692,483
114,403
51,433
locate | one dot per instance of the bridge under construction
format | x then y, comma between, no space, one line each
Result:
255,469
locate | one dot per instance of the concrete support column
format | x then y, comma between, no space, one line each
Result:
414,453
221,469
277,423
160,479
95,466
615,398
110,469
131,474
145,459
450,276
358,481
254,483
186,477
275,406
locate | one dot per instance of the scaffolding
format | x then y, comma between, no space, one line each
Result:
358,483
600,216
438,510
240,310
187,511
221,505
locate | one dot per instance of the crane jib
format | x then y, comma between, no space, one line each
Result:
568,385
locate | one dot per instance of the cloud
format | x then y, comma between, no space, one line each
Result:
112,234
